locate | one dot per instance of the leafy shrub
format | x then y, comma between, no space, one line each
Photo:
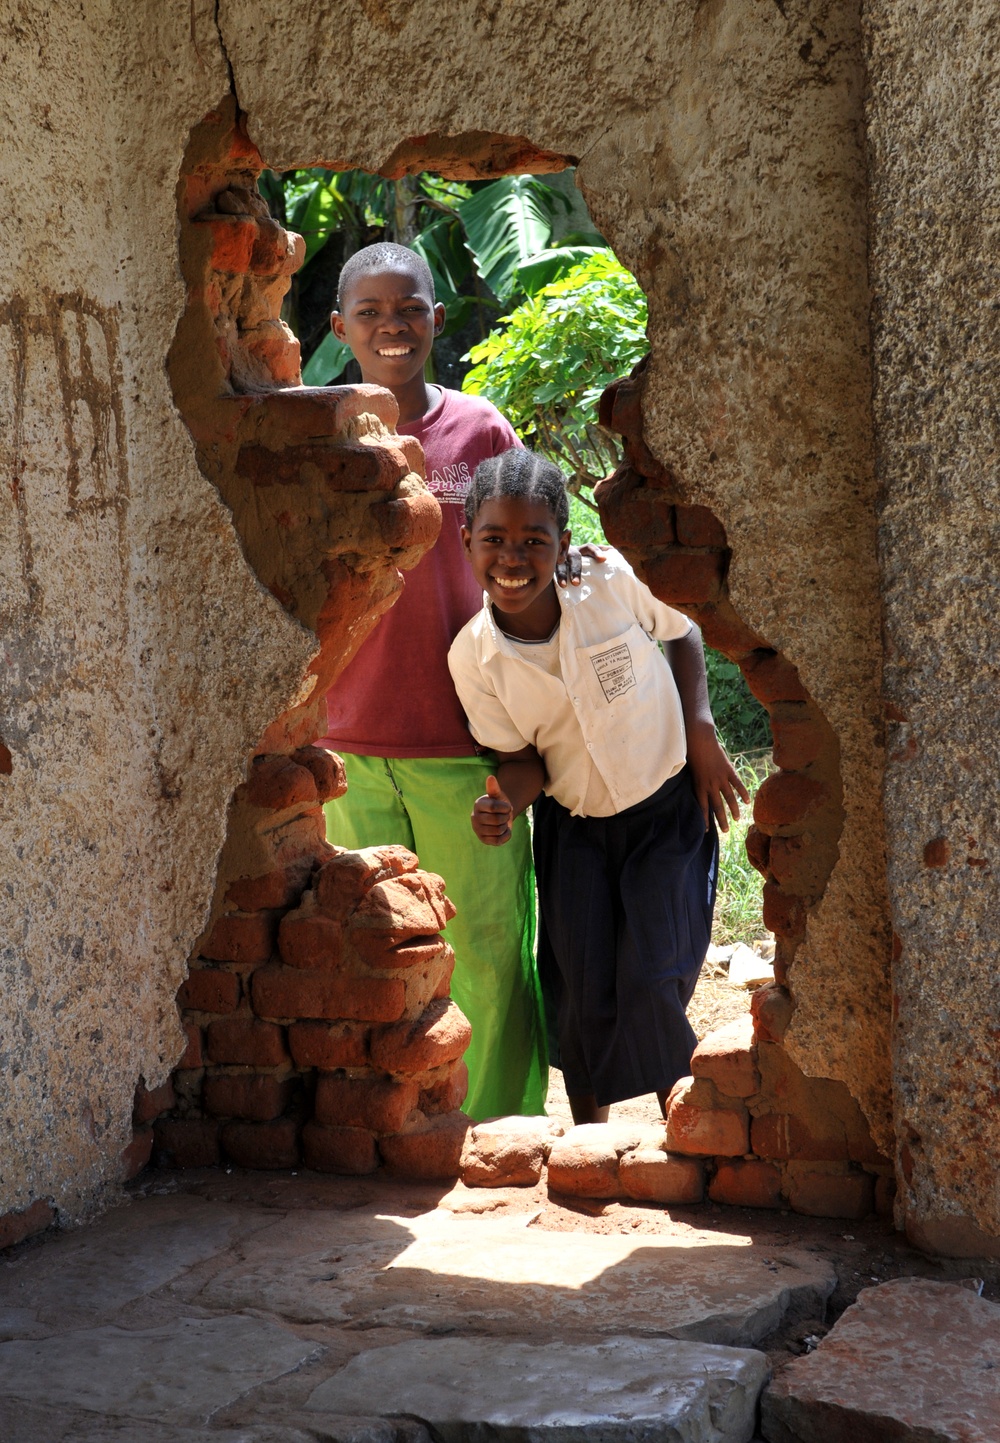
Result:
548,361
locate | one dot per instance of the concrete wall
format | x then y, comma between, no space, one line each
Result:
935,157
721,149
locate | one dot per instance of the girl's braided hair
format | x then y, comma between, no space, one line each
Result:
519,473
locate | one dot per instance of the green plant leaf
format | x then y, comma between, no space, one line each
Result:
550,265
506,223
326,362
316,212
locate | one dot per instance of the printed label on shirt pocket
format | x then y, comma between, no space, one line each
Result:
614,671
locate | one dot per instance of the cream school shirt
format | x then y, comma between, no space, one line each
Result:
601,708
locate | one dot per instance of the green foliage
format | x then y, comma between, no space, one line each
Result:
739,900
506,224
740,720
487,243
550,358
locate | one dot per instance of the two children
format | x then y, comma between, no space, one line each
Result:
573,693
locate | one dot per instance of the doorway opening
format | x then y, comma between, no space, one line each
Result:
309,1047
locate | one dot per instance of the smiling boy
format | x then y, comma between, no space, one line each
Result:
393,714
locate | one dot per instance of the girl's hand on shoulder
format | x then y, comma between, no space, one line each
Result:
716,782
492,815
570,570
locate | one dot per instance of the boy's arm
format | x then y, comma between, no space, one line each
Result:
519,778
716,781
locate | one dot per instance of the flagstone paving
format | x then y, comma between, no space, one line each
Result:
284,1308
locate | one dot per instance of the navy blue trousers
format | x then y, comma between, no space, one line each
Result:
625,919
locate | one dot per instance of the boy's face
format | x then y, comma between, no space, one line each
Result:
389,320
514,546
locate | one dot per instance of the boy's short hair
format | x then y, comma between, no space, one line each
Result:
383,256
519,473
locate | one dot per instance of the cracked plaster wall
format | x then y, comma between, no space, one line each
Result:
935,164
141,659
721,150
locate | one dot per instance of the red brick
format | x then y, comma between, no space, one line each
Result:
294,993
624,398
758,845
634,515
377,1103
702,1124
308,938
584,1167
786,799
830,1194
276,349
434,1151
784,914
650,1176
283,417
187,1142
425,985
241,937
208,989
725,630
747,1183
276,782
728,1058
408,520
680,577
339,1149
443,971
401,908
328,771
697,526
328,1045
137,1154
771,678
280,888
810,1118
147,1105
797,865
193,1052
377,949
16,1226
233,240
256,1097
439,1035
276,252
445,1090
771,1009
342,882
245,1041
271,1145
798,742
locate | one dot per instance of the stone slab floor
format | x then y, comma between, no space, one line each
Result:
217,1307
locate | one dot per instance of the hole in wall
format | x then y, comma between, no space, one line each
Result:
275,452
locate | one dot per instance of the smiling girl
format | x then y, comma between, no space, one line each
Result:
571,690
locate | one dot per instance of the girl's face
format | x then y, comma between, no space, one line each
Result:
514,546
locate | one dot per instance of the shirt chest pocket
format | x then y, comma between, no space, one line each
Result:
612,671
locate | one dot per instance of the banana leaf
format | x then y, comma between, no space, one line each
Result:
549,266
326,362
506,223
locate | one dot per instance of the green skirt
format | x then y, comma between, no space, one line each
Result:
424,803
